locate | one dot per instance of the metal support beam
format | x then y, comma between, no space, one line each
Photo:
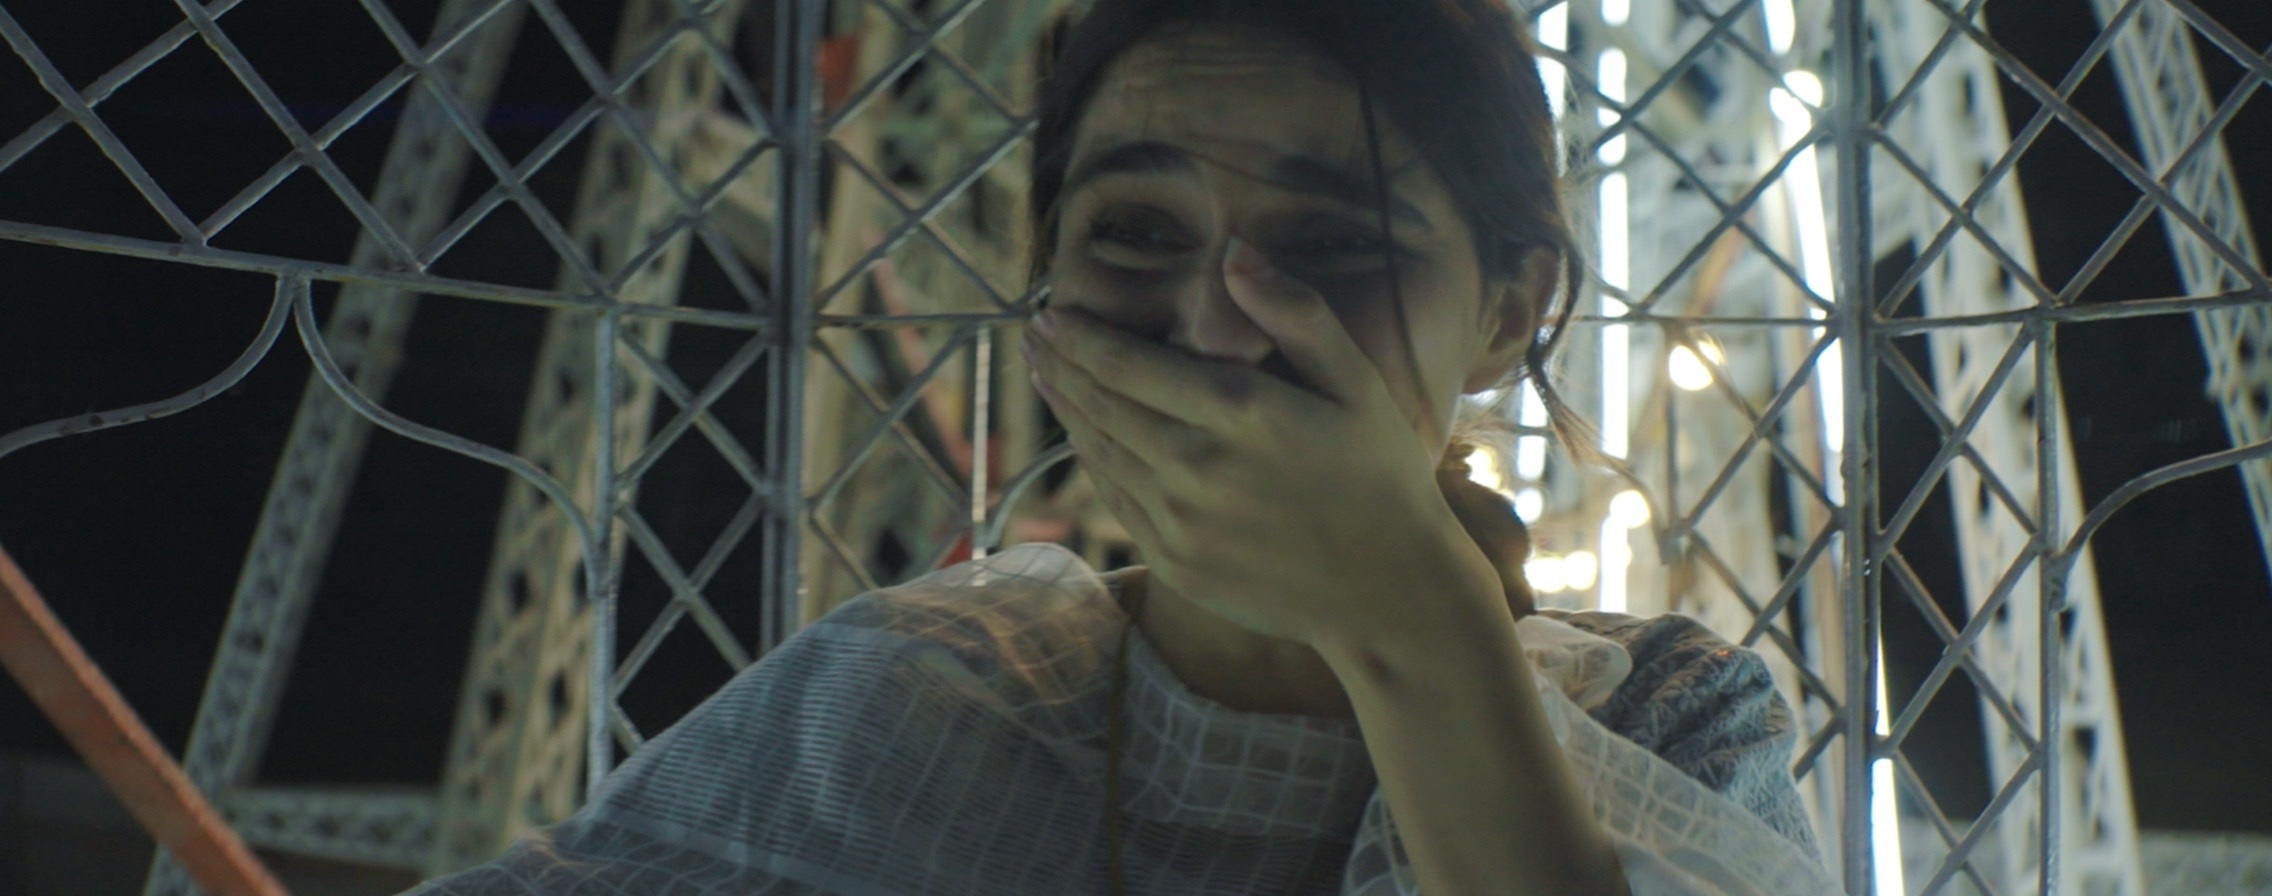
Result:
536,718
797,30
1858,592
2062,819
261,635
2179,129
388,828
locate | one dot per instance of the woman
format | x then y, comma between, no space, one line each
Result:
1284,239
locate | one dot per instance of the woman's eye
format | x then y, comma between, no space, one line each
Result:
1340,245
1136,235
1338,251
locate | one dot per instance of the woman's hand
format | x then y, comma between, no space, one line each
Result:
1308,515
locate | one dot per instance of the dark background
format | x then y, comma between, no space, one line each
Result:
136,535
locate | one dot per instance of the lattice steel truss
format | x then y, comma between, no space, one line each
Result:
849,176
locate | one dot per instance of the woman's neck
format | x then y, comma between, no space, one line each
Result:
1233,665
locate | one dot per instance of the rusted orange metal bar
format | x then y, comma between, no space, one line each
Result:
42,656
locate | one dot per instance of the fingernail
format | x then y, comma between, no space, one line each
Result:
1045,323
1241,257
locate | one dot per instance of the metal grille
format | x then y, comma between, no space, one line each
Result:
1793,203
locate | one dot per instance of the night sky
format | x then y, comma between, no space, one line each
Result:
136,535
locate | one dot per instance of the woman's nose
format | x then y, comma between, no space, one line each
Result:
1209,323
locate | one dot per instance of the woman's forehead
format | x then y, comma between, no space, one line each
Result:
1239,96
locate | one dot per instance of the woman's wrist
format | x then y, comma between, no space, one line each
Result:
1467,761
1441,592
1454,603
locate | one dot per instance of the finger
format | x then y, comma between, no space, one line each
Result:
1169,381
1302,325
1073,389
1103,463
1131,513
1097,446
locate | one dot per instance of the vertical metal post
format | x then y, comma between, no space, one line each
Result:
1980,375
796,127
1850,130
981,398
2051,642
599,557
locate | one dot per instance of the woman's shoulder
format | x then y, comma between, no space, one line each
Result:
1025,593
1005,643
1692,693
1707,706
856,740
1671,638
1030,621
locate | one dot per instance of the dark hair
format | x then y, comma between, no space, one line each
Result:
1459,78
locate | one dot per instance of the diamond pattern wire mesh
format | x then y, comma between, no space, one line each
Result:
798,233
1689,196
1933,158
928,147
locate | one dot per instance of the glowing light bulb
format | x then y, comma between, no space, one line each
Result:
1688,371
1530,503
1629,509
1691,368
1789,110
1546,574
1483,469
1580,569
1807,86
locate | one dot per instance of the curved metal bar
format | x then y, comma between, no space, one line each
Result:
989,536
304,318
2207,463
428,284
83,423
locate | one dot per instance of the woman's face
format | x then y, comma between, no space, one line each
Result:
1204,134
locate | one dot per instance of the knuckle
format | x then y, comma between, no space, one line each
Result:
1204,453
1105,360
1232,390
1179,505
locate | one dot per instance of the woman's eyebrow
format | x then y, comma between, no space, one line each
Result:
1298,173
1317,177
1133,157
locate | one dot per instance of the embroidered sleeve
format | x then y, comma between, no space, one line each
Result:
1709,708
